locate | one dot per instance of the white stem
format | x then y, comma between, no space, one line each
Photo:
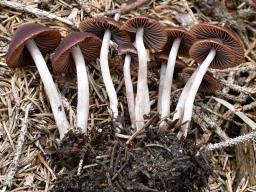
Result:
178,115
192,93
146,92
83,90
160,88
129,88
106,74
50,89
142,79
166,96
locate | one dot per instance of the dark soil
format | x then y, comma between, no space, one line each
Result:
155,162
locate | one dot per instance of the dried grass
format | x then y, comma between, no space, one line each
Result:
20,88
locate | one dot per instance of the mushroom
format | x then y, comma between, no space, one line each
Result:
128,50
106,28
74,52
179,110
178,43
179,65
149,34
224,49
209,84
28,46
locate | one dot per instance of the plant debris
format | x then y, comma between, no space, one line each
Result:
31,157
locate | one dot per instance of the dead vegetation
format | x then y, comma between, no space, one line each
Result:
28,156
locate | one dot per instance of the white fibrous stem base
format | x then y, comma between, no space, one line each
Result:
166,95
129,88
106,74
142,79
192,93
50,89
178,115
161,85
83,90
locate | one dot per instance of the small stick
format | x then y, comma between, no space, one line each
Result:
126,8
14,164
35,11
245,90
230,142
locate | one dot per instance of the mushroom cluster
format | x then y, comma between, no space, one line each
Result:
207,44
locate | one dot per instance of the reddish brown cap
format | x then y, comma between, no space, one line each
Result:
62,60
229,38
46,39
224,58
209,83
99,25
162,56
127,48
154,34
179,65
187,40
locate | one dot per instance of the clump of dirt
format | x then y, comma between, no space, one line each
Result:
156,162
72,147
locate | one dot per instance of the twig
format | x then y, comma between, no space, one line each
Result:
249,106
119,171
209,121
231,142
136,133
245,67
35,11
238,88
13,167
126,8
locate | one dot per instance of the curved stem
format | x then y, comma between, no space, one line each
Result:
50,89
178,115
106,74
166,97
129,88
142,79
83,90
192,93
161,85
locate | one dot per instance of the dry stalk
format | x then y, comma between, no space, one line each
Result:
35,11
14,164
231,142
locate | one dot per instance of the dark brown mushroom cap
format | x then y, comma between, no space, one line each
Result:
187,40
99,25
62,60
127,48
229,38
224,58
179,65
162,56
154,34
209,83
46,39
